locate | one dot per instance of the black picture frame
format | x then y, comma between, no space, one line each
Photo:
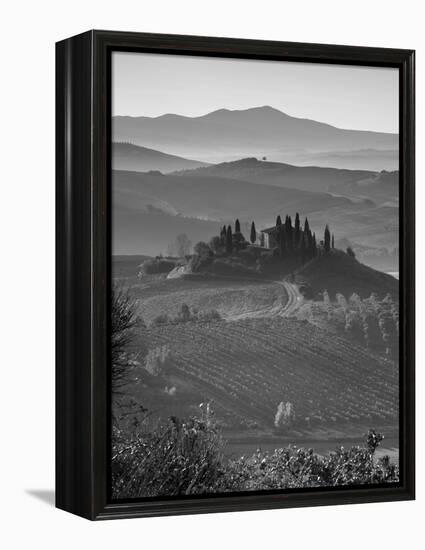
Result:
83,267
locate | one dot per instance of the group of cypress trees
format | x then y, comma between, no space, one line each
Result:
292,240
235,240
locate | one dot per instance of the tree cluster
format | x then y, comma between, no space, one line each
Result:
294,240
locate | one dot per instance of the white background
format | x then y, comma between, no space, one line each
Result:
29,30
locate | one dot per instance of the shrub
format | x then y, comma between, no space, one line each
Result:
216,245
185,457
300,468
185,315
202,257
156,266
177,458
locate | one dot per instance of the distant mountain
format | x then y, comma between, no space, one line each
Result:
228,135
338,272
308,178
126,156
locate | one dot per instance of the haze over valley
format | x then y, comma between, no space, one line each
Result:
158,193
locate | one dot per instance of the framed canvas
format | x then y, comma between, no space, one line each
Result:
235,274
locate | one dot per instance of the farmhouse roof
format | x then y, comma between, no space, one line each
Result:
269,229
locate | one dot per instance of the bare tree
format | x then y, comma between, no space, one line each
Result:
123,320
181,246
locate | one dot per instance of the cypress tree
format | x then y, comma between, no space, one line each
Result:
327,239
333,241
237,226
281,239
229,240
278,221
223,235
288,232
253,236
314,245
309,244
303,248
297,230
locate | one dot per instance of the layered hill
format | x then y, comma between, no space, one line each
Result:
127,156
383,188
230,134
308,178
362,159
216,198
150,209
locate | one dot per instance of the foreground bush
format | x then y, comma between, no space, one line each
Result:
186,457
179,458
292,468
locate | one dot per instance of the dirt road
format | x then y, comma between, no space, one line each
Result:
285,306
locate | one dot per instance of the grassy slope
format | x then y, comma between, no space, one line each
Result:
247,367
338,272
158,296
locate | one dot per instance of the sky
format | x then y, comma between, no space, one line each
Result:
357,98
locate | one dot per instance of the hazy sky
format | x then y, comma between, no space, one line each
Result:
361,98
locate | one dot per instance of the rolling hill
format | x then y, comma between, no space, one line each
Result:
338,272
150,209
383,188
126,156
227,135
308,178
216,198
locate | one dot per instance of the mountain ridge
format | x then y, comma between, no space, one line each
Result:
260,131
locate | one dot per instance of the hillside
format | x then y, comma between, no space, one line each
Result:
230,134
150,209
216,198
307,178
362,159
382,188
338,272
229,362
126,156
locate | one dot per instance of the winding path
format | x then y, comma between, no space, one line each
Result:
295,299
281,308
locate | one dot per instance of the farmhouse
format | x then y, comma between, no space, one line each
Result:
270,240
